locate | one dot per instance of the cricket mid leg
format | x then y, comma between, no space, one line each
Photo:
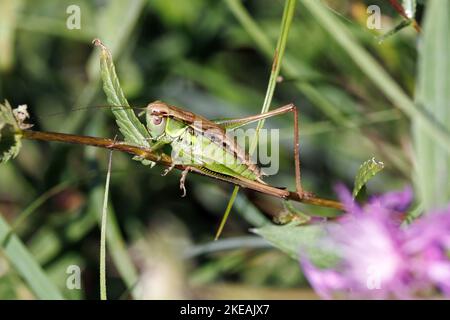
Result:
183,180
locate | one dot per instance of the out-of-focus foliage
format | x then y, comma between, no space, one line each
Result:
206,57
433,95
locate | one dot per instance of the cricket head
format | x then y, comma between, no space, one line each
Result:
156,116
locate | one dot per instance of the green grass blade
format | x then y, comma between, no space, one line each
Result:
410,8
227,212
288,15
433,94
377,74
103,295
26,265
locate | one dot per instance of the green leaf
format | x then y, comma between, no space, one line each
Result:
433,95
10,137
130,126
292,238
366,171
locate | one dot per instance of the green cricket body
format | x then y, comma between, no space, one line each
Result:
197,141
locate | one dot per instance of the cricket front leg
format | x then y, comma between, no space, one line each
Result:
168,169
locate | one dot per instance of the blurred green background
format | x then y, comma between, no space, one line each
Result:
197,54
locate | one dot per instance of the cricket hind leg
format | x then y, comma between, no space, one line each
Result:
239,122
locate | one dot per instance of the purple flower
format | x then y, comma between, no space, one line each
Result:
396,201
428,241
381,259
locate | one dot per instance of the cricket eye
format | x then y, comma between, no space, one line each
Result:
156,125
157,120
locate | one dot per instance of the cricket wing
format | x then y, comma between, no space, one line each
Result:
213,131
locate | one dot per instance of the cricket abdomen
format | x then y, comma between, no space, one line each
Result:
193,148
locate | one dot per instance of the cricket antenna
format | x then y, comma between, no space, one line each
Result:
142,109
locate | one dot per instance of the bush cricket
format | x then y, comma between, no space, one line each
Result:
198,144
205,144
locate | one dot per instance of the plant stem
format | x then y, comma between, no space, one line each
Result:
167,161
